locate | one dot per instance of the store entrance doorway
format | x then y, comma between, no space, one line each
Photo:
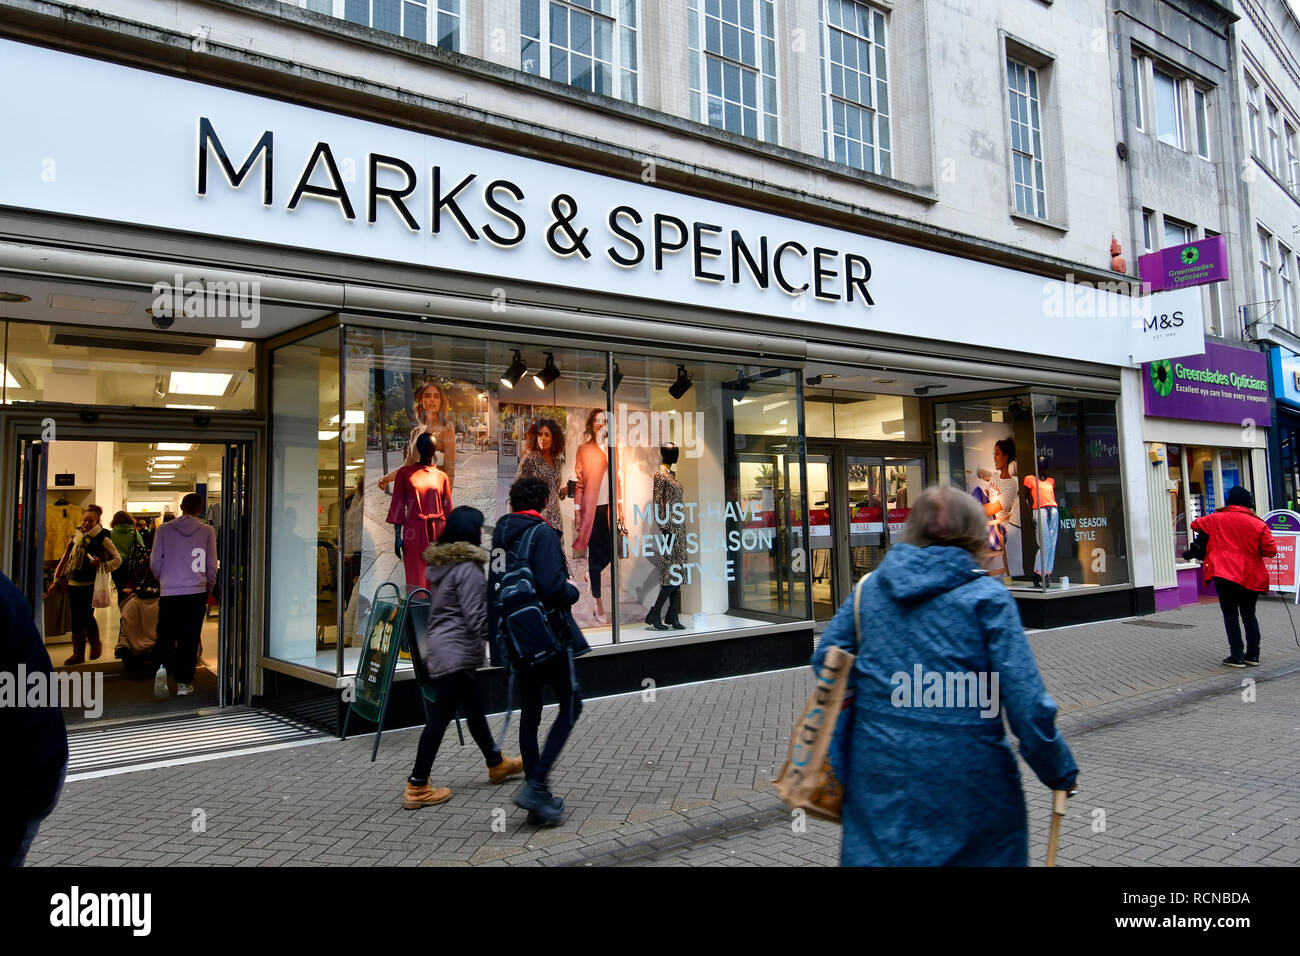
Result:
139,485
858,501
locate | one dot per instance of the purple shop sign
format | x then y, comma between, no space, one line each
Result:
1224,385
1178,267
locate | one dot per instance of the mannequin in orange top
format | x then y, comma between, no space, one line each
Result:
421,503
1040,493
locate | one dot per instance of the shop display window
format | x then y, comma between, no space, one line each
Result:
708,459
854,416
304,504
1046,469
501,410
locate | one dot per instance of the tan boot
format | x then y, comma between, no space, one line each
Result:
426,796
507,768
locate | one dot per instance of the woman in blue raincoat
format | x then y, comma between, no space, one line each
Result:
928,773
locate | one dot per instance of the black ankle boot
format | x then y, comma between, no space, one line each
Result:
674,606
652,619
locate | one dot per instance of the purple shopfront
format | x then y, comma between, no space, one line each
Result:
1206,425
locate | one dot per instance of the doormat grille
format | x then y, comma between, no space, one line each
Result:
1163,625
148,744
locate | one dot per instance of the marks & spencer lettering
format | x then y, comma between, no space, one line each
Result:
395,195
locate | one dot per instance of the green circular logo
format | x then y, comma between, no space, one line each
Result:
1190,255
1162,377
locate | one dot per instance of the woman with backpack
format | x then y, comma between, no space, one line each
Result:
928,773
453,649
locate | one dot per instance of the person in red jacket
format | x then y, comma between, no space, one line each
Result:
1238,543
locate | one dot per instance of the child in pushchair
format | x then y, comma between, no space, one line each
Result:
138,604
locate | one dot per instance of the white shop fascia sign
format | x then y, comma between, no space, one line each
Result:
104,141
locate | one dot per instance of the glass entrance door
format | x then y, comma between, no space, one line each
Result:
867,538
857,505
138,485
821,535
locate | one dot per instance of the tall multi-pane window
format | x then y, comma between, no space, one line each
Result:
1026,140
1274,156
1266,264
1252,115
1201,106
733,65
429,21
1139,95
1284,285
1292,159
590,44
855,80
1148,218
1169,109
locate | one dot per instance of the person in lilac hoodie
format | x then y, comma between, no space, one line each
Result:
184,560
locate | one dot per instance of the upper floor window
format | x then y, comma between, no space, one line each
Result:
1274,155
855,82
1028,180
1201,109
1266,263
430,21
590,44
1292,160
1169,109
1139,94
1178,233
1252,115
1148,227
733,65
1284,258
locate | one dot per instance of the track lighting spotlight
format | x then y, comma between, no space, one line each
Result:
515,372
548,374
618,380
683,384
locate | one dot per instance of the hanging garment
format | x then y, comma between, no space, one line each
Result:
668,509
421,503
61,522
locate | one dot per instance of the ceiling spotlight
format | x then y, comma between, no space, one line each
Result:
815,380
515,372
741,384
14,297
683,384
618,380
548,374
884,381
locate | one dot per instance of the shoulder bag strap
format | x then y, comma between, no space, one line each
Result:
857,613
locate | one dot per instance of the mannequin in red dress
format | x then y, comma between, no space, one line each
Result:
421,503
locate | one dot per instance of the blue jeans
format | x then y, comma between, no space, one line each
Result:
1049,528
556,674
16,836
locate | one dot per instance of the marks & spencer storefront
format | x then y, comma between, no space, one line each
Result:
393,282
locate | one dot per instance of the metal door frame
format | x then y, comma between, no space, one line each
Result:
27,434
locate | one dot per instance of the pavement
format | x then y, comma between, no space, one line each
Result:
1183,762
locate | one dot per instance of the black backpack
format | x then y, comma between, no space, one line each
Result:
524,633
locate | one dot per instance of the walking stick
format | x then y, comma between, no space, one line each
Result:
1054,837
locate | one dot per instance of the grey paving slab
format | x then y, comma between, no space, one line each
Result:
1184,769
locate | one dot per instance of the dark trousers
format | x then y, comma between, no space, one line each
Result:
556,675
180,627
84,624
454,690
1234,599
